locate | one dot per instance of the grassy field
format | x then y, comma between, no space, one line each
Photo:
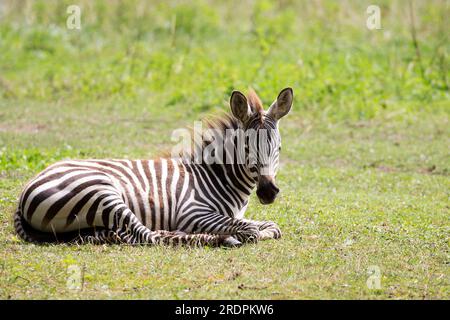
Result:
365,173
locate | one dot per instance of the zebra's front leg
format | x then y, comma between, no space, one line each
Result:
268,229
214,223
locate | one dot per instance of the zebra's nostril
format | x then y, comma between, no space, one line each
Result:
274,188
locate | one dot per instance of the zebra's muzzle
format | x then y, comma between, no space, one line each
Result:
267,191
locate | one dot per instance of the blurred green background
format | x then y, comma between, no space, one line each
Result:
194,53
365,162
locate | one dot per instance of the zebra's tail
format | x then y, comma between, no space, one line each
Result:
24,230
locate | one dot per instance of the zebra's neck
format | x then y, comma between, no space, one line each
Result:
241,178
237,177
229,180
225,184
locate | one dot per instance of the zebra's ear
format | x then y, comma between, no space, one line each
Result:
239,106
282,105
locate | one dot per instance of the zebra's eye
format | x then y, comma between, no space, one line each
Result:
279,148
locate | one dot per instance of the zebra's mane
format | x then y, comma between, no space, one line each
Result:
221,122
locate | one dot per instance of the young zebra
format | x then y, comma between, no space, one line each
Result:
162,201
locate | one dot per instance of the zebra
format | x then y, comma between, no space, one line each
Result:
167,200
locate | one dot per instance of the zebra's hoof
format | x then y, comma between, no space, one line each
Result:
231,242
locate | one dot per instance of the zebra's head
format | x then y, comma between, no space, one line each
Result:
262,137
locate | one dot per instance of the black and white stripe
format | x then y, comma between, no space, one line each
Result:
160,201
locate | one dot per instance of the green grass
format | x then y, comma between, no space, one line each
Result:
365,161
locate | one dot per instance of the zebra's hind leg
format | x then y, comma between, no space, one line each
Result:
125,227
105,236
97,236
